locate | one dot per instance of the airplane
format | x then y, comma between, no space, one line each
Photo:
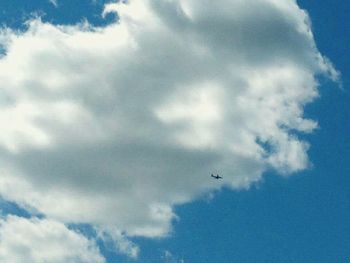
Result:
217,177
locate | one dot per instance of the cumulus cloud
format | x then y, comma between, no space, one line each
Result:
114,126
44,241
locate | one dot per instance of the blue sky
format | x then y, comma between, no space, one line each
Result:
302,217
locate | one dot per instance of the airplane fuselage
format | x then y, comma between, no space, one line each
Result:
217,177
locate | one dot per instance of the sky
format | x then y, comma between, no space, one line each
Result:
114,115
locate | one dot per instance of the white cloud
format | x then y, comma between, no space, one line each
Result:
115,240
114,126
44,241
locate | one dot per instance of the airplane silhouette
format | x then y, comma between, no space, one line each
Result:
217,177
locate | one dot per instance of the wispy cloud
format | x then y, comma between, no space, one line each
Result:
54,2
115,240
168,257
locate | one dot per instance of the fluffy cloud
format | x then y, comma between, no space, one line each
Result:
44,241
114,126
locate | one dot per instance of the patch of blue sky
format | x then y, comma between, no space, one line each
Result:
10,208
14,13
331,28
85,229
